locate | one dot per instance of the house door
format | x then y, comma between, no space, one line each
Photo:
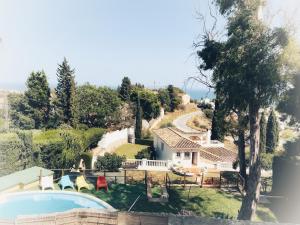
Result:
194,158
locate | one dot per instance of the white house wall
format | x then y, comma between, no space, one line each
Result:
168,154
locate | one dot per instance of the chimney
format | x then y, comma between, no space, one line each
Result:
208,136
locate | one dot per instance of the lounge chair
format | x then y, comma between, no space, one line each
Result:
46,183
81,183
101,183
65,181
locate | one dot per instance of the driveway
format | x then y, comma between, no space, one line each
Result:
181,122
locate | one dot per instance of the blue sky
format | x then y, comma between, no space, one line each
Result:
149,41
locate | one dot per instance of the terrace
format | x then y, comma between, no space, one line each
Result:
186,197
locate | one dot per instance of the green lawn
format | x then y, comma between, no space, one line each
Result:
200,201
129,150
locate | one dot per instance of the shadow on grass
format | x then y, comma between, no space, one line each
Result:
265,216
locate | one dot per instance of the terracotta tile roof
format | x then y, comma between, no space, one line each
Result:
225,154
173,138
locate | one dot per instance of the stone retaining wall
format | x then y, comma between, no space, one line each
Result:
94,217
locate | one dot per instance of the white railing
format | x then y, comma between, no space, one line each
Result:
145,164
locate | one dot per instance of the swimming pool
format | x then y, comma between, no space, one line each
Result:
44,202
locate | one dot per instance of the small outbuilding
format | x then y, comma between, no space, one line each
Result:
27,179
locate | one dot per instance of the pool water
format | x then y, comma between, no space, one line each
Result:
35,203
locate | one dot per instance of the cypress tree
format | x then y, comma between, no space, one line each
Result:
263,130
174,100
138,120
66,94
125,89
38,98
218,123
272,134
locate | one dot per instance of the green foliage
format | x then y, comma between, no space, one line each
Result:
164,99
38,98
66,94
93,136
290,101
272,133
266,160
109,162
19,110
209,113
218,126
125,89
148,142
10,151
174,99
149,102
62,148
138,120
73,148
143,154
87,159
263,131
99,106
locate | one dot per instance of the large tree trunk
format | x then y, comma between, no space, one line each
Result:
249,203
241,151
242,124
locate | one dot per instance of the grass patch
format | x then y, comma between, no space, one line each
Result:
199,122
200,201
130,150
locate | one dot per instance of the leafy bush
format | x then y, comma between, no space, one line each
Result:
109,162
143,154
208,113
87,158
266,160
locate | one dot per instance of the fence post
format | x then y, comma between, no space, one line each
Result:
124,176
202,178
146,179
220,179
184,180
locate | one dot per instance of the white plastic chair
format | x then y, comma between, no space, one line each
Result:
46,183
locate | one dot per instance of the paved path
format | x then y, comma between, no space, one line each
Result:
181,122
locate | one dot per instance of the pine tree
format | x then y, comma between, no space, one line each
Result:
263,130
66,94
38,98
125,89
272,134
138,120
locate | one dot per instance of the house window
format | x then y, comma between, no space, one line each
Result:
162,146
178,154
186,155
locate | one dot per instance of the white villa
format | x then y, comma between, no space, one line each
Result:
192,149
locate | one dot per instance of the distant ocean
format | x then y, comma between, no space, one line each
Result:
195,94
198,94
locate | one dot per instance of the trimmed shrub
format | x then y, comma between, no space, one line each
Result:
109,162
